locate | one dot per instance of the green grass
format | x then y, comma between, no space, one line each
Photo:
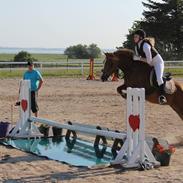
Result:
11,74
70,73
6,57
175,72
45,57
50,57
39,57
63,73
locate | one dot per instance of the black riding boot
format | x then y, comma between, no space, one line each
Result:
162,98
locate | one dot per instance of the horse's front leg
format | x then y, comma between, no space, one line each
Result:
120,90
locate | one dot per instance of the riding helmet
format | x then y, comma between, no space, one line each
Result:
141,33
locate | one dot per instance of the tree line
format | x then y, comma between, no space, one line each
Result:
163,21
78,51
83,51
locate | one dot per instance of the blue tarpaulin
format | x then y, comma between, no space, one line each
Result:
75,152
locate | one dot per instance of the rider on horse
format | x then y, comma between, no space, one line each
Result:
146,52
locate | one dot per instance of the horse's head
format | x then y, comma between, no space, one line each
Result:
121,59
110,65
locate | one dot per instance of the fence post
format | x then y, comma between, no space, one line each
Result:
82,69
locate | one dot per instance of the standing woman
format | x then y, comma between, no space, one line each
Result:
36,80
146,52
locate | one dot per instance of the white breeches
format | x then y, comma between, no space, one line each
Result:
158,64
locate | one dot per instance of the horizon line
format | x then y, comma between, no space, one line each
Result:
12,47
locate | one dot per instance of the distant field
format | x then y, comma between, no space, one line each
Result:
60,72
43,57
64,73
52,72
39,57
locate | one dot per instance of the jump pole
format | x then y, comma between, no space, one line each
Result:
91,70
135,148
134,151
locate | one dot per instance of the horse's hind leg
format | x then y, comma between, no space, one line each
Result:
120,90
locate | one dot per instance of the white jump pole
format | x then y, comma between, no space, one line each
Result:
80,129
135,149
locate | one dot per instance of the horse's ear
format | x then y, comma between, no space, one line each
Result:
109,55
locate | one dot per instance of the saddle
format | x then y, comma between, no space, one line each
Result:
169,84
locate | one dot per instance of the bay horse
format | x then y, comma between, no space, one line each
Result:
137,75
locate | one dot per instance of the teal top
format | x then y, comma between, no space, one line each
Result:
34,76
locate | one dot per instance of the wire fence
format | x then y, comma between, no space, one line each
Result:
82,65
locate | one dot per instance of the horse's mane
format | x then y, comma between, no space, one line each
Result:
125,52
127,55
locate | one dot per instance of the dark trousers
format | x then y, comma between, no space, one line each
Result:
34,105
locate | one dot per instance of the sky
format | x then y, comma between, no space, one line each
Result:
62,23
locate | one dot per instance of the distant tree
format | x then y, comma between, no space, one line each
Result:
23,56
129,42
83,51
163,21
93,51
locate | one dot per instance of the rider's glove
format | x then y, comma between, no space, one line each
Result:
135,57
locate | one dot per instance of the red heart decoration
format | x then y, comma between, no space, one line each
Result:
134,121
24,104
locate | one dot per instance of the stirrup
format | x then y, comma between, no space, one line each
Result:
162,100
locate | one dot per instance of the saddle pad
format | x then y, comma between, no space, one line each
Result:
170,87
